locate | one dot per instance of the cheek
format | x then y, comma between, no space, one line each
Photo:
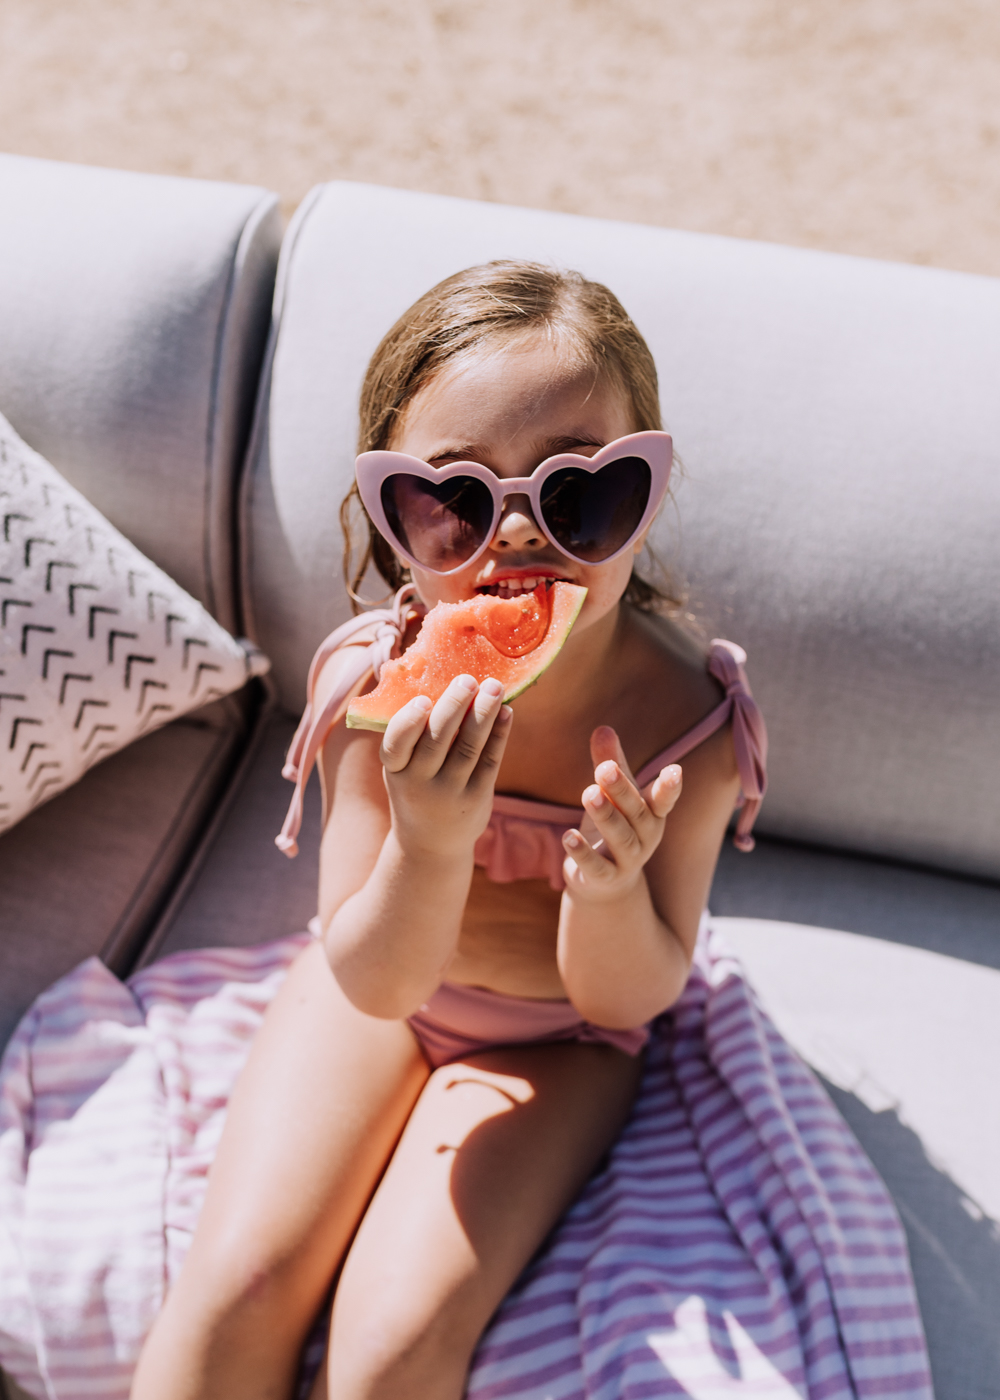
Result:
605,587
439,588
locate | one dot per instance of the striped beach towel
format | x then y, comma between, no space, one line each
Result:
736,1242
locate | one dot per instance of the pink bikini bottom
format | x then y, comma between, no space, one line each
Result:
459,1020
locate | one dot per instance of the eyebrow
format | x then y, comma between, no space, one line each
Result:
551,447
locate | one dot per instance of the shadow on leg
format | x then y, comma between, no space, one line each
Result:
495,1150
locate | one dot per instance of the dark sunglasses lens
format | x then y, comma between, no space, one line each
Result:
441,524
591,515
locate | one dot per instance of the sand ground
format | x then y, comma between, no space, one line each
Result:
864,126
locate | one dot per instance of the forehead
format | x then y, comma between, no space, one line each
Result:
505,398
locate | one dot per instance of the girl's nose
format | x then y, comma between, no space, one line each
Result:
517,528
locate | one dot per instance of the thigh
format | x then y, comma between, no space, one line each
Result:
312,1122
314,1117
497,1147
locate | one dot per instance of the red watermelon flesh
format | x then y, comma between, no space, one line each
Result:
511,639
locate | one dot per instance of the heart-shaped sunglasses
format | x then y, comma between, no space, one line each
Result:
591,508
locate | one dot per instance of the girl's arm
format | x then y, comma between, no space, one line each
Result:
630,913
397,852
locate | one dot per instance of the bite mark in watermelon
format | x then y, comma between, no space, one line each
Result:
512,639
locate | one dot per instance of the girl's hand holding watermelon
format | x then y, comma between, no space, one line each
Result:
440,764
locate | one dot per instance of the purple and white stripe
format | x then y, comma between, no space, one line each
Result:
737,1241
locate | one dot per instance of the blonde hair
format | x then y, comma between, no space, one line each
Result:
495,306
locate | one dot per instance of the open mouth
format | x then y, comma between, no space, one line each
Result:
514,587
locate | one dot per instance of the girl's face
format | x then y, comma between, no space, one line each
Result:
509,410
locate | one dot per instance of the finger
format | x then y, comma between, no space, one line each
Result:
588,829
493,750
664,790
604,745
443,724
474,731
583,864
403,732
616,783
620,836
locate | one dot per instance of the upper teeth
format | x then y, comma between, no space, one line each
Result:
511,587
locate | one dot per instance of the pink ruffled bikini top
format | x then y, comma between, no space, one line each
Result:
523,840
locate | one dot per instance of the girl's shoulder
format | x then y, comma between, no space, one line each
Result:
671,660
348,658
667,692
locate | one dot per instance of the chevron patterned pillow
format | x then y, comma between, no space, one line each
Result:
97,645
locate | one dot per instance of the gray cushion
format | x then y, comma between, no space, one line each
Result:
90,871
133,316
840,425
244,890
803,885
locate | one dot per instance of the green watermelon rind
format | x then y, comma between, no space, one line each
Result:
537,675
380,726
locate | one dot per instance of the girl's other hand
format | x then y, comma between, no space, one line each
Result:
440,764
628,824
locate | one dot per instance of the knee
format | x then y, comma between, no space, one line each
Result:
390,1348
233,1323
240,1290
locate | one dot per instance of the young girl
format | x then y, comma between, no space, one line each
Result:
507,898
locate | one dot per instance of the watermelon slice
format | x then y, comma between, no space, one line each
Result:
512,639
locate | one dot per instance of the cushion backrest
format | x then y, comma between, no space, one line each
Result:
839,420
133,318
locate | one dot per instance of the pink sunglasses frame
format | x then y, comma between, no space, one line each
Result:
372,468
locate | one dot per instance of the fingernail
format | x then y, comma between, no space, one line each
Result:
573,839
492,688
422,704
596,797
468,683
608,771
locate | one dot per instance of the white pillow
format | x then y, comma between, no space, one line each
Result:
97,645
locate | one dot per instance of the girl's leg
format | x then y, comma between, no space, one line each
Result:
313,1120
495,1150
